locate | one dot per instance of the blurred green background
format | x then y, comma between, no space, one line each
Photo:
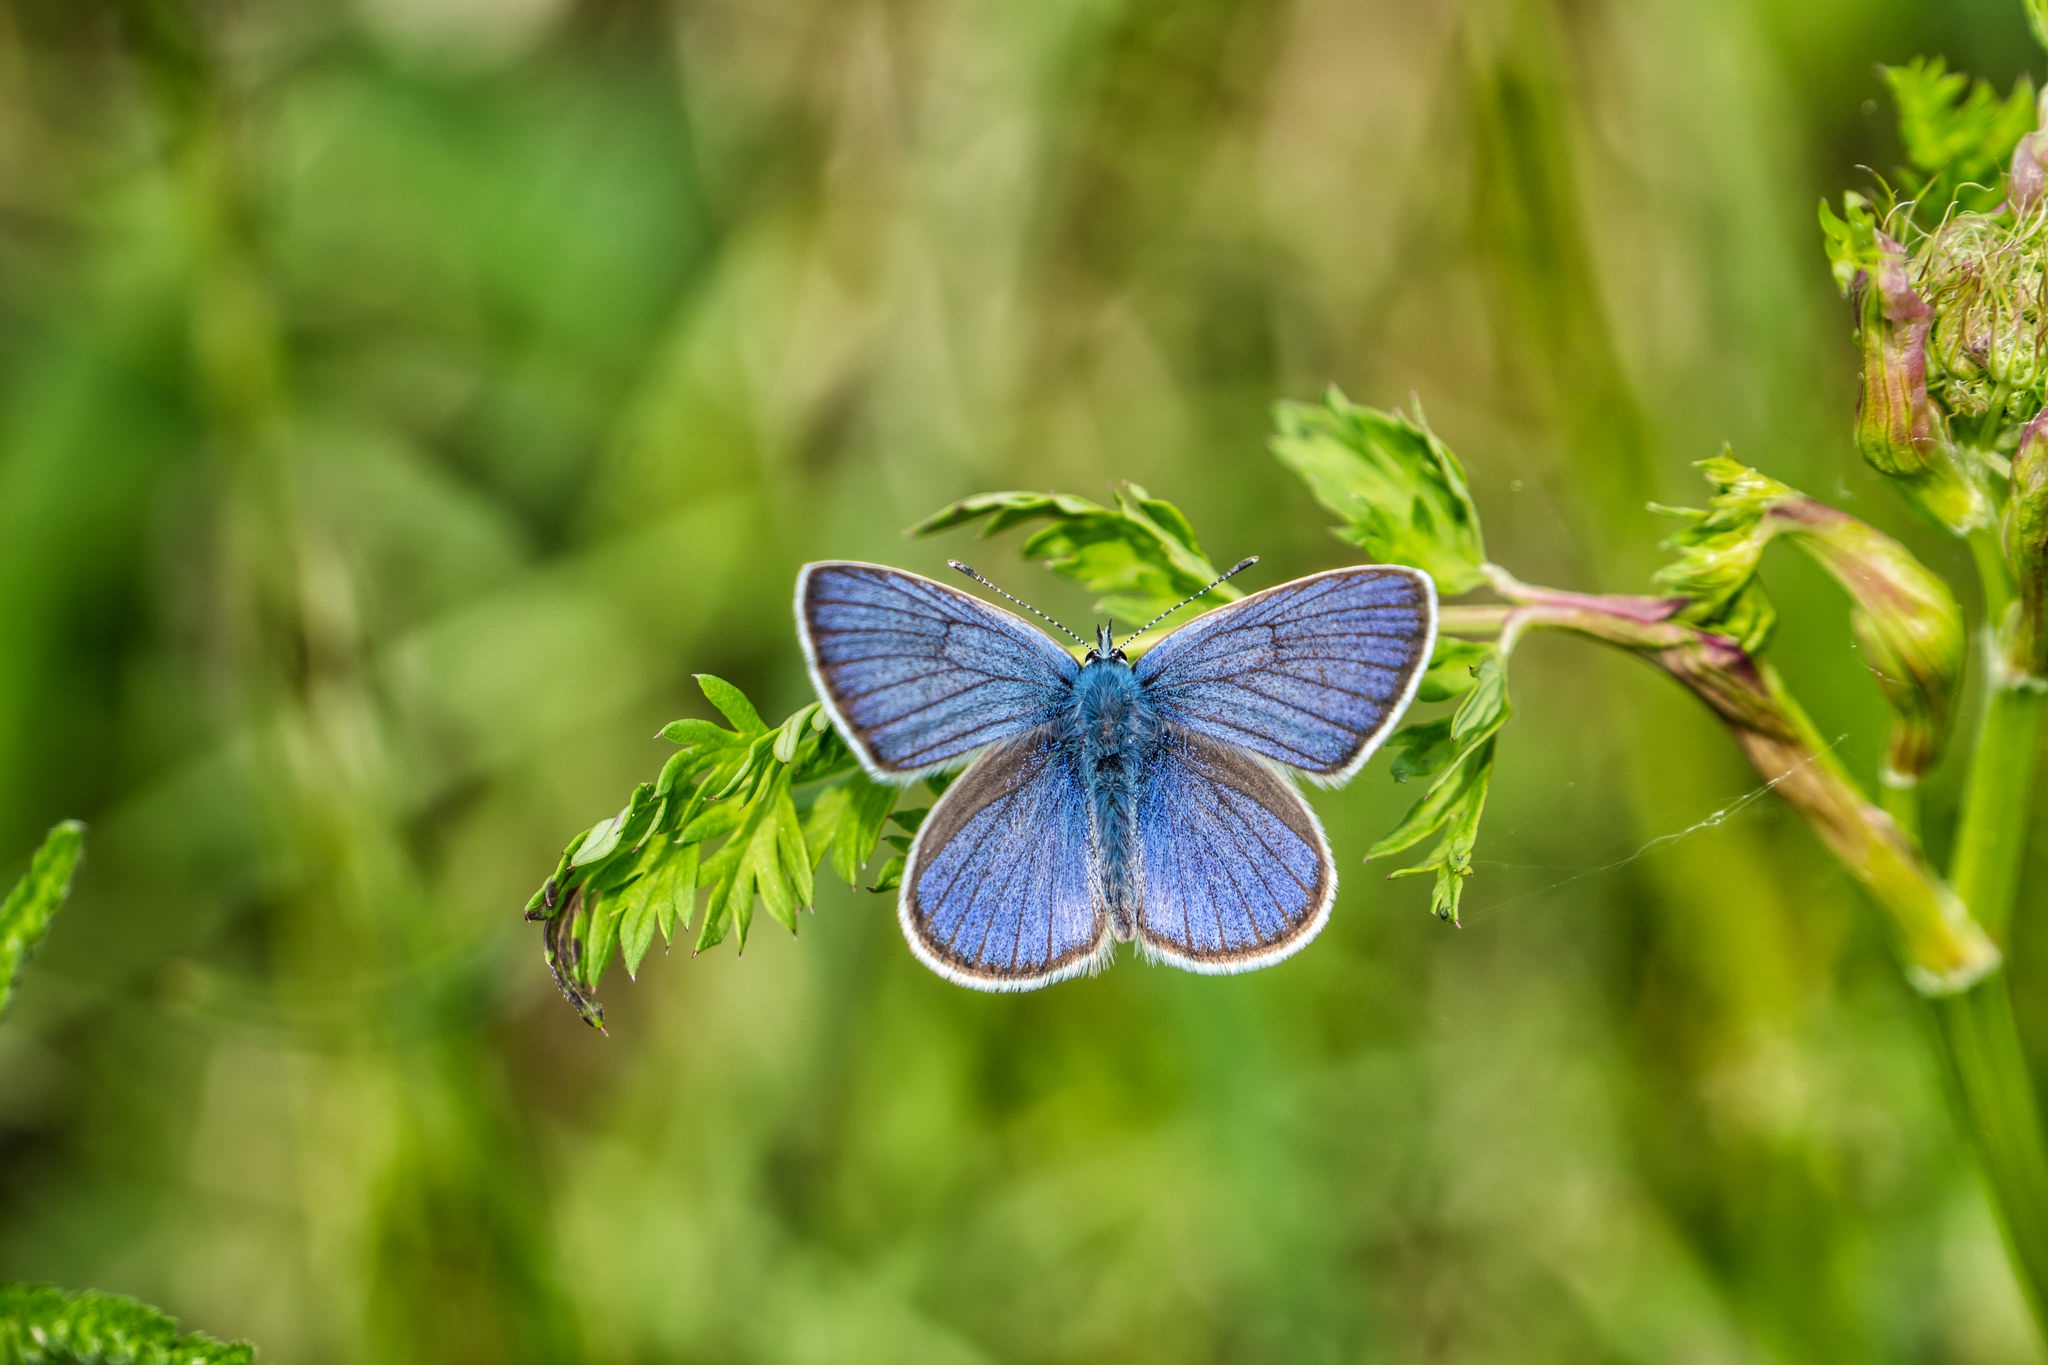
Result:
401,399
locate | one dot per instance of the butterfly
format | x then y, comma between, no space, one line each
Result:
1106,801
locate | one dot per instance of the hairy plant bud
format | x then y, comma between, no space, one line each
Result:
1898,428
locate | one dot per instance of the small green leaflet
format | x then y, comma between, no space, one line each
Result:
1457,755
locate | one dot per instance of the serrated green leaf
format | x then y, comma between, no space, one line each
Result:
33,902
639,921
845,822
891,875
731,703
1438,805
715,822
1451,859
679,901
1139,556
700,734
1956,134
600,935
1399,490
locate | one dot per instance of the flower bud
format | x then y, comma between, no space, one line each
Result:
2028,179
1905,619
2029,174
1900,430
2026,548
1897,425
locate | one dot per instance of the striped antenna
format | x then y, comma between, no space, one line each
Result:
1235,570
1020,601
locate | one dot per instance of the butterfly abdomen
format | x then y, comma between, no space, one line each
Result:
1115,728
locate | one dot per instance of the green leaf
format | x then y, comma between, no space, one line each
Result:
44,1325
639,921
1400,491
1422,749
1853,241
723,818
1453,668
732,703
891,876
1451,859
1139,556
26,913
1956,134
1459,752
847,821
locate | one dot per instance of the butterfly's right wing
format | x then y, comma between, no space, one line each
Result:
917,674
999,889
1237,873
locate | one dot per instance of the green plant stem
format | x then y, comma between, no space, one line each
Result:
1993,1084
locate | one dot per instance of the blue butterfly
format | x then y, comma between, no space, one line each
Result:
1110,801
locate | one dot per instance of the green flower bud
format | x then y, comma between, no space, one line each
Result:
1900,430
1906,622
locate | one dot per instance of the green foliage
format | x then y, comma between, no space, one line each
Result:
1140,556
1400,491
42,1325
1852,239
1718,553
1957,134
1456,755
26,913
727,817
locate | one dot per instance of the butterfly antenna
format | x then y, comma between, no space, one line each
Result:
1235,570
1019,601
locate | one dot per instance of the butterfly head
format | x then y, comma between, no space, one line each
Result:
1105,647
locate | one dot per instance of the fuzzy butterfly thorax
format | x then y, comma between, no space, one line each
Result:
1116,736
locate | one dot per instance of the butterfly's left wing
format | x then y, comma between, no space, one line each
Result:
1313,674
1236,871
999,890
919,675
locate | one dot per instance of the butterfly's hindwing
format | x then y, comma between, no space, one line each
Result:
1236,871
1000,891
919,675
1313,674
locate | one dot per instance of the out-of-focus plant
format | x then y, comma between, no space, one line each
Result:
26,913
39,1324
1948,280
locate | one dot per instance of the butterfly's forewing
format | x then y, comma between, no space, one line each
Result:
1237,873
1312,673
917,674
999,890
